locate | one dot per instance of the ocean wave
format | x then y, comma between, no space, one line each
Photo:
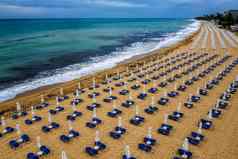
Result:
96,64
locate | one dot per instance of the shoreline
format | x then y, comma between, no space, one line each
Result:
32,97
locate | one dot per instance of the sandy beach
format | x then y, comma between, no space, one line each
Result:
220,142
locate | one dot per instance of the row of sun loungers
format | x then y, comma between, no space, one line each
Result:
194,66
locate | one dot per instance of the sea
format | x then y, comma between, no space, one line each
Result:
41,52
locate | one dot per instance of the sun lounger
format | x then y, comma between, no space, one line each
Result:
98,147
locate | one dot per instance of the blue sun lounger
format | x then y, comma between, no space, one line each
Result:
128,103
163,101
93,123
6,130
117,132
43,151
33,120
50,127
149,142
98,147
151,109
68,137
56,110
137,120
17,115
74,115
92,106
142,96
165,129
14,144
114,113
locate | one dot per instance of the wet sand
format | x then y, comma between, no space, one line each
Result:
220,142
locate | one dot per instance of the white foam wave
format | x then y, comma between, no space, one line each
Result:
98,63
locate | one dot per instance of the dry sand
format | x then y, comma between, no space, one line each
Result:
221,142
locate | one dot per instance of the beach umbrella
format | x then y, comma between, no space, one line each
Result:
18,105
200,128
94,99
185,145
179,107
118,74
3,121
79,85
94,113
210,115
49,118
127,153
77,93
18,129
106,77
144,89
127,69
61,91
152,100
130,96
64,155
38,141
97,136
74,107
137,110
42,98
32,111
165,118
57,101
198,91
119,122
149,133
110,91
175,86
94,83
165,93
70,126
114,106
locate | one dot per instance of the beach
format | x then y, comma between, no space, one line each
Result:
220,142
113,61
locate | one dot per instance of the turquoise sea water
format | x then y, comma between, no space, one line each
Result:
58,50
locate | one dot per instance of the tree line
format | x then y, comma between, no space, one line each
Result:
225,20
